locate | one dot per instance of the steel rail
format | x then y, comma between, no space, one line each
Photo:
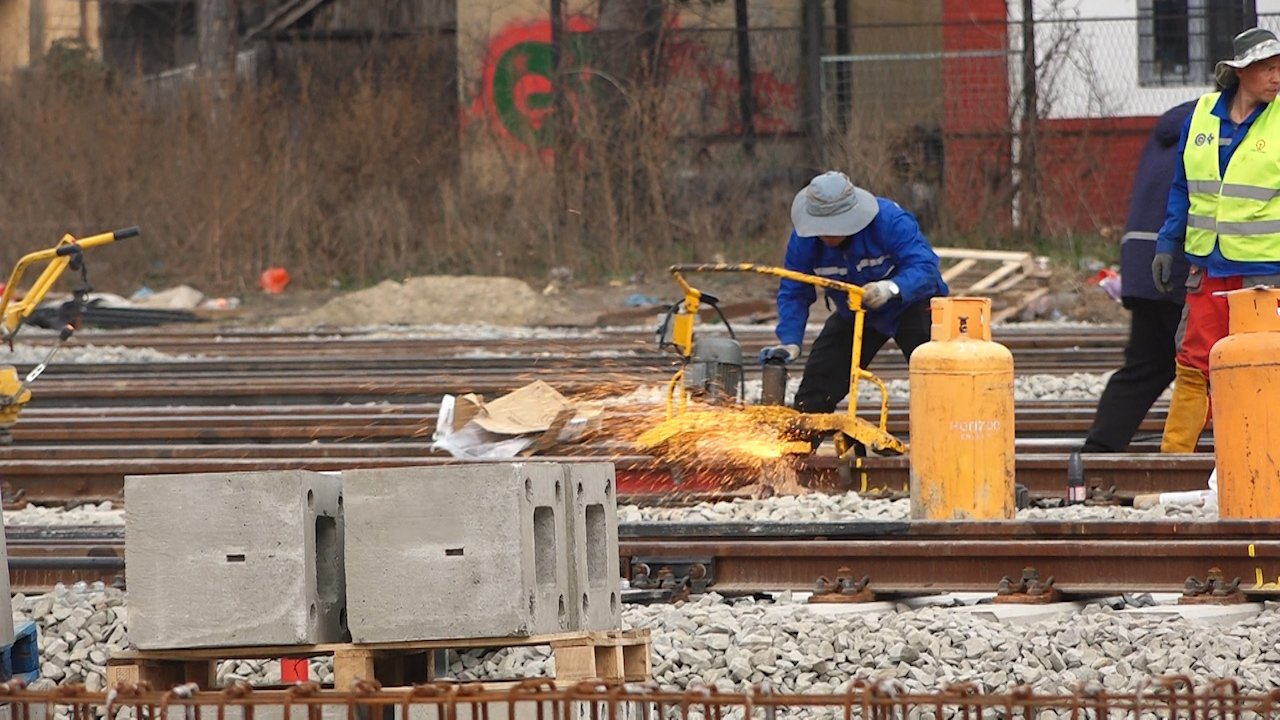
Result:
46,479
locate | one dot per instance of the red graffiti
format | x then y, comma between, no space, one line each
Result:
775,102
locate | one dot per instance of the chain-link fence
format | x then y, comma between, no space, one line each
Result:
703,87
953,127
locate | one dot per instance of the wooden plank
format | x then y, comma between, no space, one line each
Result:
122,673
1010,282
283,16
351,665
609,655
958,269
609,666
615,656
998,255
1017,307
575,662
637,662
994,277
163,674
253,652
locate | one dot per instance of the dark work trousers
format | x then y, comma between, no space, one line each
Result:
1147,371
826,372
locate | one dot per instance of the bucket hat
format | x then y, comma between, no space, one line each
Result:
1250,46
832,205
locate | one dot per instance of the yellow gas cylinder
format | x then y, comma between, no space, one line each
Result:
1244,380
961,420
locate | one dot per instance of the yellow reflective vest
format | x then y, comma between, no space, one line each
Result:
1242,210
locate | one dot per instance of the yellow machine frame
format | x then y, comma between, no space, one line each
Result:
845,426
13,312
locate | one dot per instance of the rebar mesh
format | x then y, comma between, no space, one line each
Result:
1170,698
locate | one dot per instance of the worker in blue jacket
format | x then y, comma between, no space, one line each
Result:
845,233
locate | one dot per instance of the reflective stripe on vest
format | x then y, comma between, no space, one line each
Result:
1241,212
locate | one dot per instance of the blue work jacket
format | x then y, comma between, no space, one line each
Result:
891,247
1174,231
1147,205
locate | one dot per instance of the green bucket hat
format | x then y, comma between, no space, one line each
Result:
1250,46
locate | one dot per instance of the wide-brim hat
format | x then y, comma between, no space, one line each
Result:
832,205
1250,46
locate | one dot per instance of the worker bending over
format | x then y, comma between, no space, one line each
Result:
845,233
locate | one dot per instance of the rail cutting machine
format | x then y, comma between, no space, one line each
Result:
15,309
711,368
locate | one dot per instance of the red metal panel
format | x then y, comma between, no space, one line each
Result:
1087,167
976,118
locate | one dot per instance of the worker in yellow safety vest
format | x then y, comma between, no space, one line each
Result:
1224,210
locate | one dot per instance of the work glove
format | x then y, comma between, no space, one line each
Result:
785,353
876,294
1162,272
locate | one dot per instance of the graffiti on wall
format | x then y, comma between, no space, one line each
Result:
516,100
711,78
516,91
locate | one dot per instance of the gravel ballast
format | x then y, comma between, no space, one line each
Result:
24,354
711,642
815,507
818,507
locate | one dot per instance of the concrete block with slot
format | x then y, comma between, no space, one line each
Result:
456,551
592,518
226,559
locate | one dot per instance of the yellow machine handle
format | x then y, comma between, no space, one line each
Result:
682,326
14,312
854,291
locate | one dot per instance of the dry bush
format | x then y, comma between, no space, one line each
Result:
339,172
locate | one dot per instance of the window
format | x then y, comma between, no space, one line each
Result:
1180,41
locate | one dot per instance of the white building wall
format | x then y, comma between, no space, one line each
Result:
1092,55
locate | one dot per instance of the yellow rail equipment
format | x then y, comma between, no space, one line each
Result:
847,427
15,310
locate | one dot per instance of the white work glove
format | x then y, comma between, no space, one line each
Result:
786,352
876,294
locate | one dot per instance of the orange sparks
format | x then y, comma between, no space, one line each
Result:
735,435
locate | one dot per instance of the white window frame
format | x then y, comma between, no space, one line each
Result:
1198,71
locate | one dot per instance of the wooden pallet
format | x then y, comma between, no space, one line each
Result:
615,655
1012,279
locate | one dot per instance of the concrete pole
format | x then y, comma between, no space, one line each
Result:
216,42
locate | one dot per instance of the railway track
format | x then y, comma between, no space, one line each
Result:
287,400
268,400
1086,559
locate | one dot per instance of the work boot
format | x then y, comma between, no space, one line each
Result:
1188,411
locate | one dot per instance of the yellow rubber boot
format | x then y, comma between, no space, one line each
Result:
1188,411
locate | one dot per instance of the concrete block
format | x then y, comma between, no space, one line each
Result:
592,518
1017,614
1201,614
227,559
6,600
457,551
875,607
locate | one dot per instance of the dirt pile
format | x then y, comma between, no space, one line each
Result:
429,300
